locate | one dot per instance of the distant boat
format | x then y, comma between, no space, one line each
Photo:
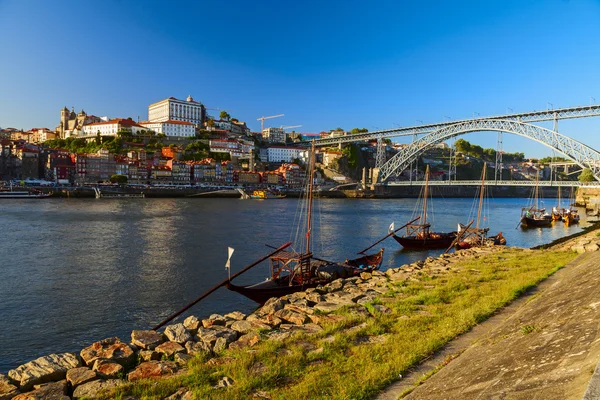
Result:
23,194
264,195
534,216
418,236
570,216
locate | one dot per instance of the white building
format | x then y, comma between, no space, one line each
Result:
274,135
171,128
173,109
237,148
285,154
110,128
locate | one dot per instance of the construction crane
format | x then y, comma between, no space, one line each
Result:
262,120
290,127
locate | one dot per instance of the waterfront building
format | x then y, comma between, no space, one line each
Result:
272,178
30,162
180,172
92,168
111,128
171,128
246,177
284,154
173,109
161,174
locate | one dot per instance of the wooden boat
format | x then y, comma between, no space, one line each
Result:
418,236
294,271
570,216
264,195
534,216
478,237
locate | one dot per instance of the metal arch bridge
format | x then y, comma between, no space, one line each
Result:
584,156
535,116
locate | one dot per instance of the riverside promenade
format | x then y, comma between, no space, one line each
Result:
546,345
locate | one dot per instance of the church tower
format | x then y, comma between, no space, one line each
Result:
64,121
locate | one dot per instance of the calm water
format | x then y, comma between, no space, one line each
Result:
79,270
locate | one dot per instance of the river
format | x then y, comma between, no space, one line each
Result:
79,270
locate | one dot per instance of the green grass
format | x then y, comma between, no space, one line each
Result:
425,315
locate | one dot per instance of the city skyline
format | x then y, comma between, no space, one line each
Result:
324,66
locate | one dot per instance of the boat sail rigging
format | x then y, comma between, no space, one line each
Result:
478,236
533,215
419,236
297,270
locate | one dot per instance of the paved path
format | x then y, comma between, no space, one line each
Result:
544,346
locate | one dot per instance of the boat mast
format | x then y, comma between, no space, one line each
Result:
481,195
310,196
426,195
536,201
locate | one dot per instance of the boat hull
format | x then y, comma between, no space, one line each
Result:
413,242
263,291
535,222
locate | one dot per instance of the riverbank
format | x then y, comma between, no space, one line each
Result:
380,192
544,346
348,339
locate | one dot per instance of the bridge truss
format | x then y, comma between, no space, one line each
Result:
584,156
534,116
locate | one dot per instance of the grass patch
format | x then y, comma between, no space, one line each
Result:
424,316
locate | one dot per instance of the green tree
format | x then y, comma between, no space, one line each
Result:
224,115
117,178
586,175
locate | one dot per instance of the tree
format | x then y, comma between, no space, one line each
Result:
161,135
117,178
224,115
586,175
210,122
355,131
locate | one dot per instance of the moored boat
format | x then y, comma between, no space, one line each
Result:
264,195
419,236
533,216
477,237
294,271
23,194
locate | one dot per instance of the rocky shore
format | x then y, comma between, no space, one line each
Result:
112,362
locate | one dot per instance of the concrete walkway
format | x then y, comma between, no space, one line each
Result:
544,346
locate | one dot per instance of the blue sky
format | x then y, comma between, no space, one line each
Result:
323,64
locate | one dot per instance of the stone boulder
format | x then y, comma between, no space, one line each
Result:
48,391
214,319
292,316
242,326
108,369
270,320
7,389
148,355
182,394
44,369
146,340
91,389
177,333
247,340
152,369
192,324
110,349
210,336
170,348
327,307
272,305
79,376
236,315
194,348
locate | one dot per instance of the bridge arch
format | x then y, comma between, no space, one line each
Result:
583,155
